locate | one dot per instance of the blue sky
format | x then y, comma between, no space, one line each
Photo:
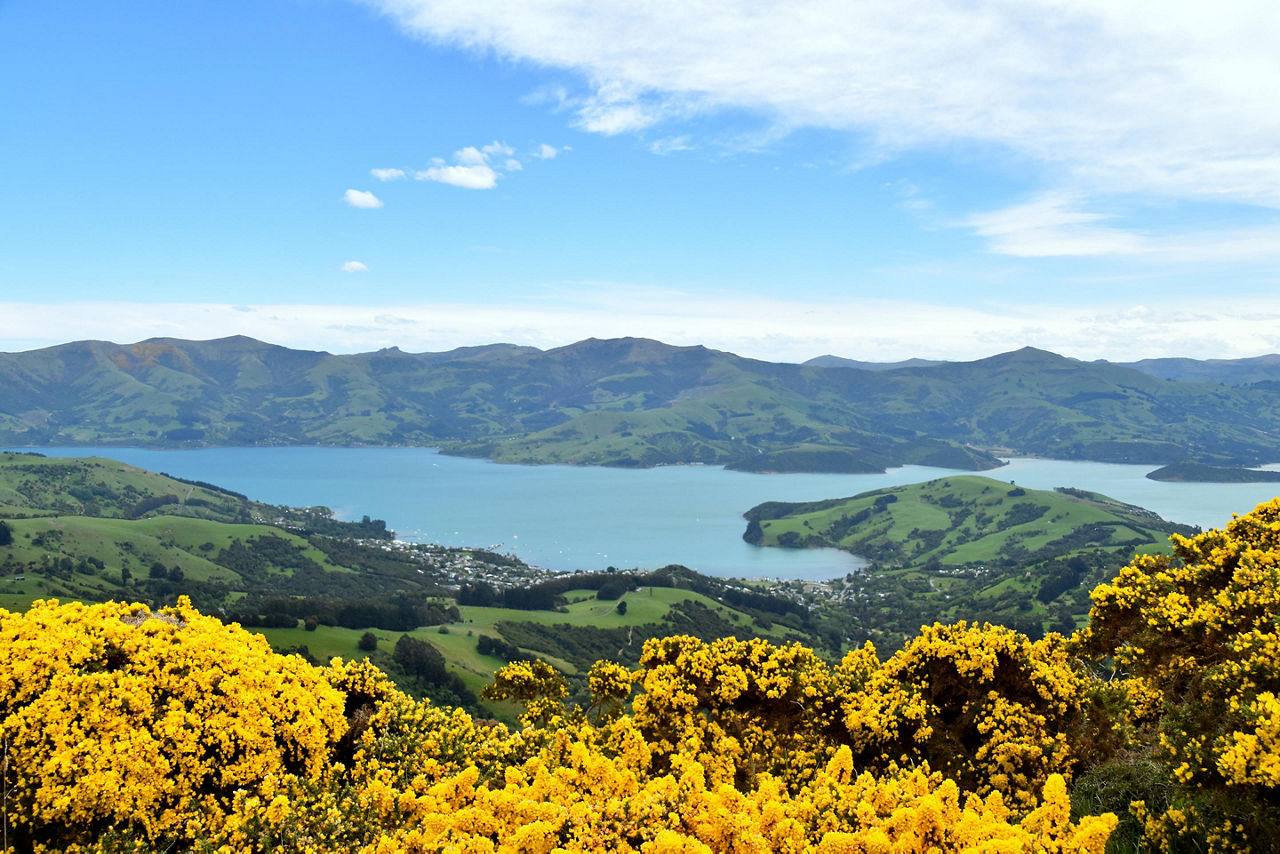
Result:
872,179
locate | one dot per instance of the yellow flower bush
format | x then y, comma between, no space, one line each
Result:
114,716
586,801
136,731
1201,630
127,730
983,704
740,708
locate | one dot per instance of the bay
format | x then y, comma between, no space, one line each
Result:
573,517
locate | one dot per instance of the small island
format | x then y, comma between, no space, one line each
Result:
1188,472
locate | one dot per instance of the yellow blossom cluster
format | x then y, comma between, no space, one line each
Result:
982,704
173,731
590,789
112,715
1200,629
739,708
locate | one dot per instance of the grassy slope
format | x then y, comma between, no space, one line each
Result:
901,531
458,644
968,548
95,486
135,545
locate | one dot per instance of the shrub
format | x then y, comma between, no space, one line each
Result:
150,722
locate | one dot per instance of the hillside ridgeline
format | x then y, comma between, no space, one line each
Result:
628,402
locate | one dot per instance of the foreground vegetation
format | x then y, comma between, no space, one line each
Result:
127,729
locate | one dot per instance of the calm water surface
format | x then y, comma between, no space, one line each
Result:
571,517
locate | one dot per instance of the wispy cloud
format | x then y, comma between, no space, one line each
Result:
361,199
1059,225
670,144
354,267
387,174
1050,225
546,152
1103,93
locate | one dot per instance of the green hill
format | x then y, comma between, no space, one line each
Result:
96,529
628,402
967,548
1202,473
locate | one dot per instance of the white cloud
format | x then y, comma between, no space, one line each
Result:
474,177
775,330
387,174
361,199
546,152
354,267
499,148
619,108
1176,98
474,168
670,144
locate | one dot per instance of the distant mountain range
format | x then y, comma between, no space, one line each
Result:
635,402
1233,372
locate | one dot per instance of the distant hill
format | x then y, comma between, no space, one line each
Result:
1201,473
1233,372
968,547
627,402
841,362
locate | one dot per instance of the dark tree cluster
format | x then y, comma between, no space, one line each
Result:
398,613
424,666
499,648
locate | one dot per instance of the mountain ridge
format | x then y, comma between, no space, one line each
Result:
628,402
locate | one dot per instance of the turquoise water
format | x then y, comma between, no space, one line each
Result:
569,517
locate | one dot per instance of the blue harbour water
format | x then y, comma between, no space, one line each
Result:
577,517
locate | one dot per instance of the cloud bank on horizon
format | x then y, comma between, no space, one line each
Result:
1118,103
769,329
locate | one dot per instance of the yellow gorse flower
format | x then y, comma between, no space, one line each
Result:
160,729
